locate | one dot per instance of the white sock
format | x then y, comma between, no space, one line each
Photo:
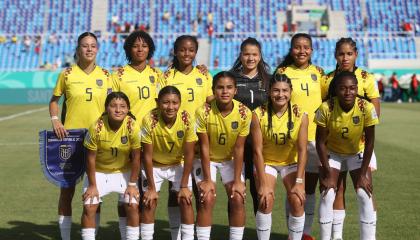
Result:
64,223
326,214
132,233
175,222
122,223
88,233
296,225
263,222
187,231
309,213
286,210
236,233
147,230
338,224
203,233
366,215
97,222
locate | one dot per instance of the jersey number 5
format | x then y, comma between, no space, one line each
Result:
89,93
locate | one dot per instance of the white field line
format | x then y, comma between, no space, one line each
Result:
22,114
11,144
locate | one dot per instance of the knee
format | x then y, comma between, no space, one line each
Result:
295,203
208,201
132,208
267,207
236,202
89,210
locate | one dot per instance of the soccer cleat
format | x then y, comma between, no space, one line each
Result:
307,237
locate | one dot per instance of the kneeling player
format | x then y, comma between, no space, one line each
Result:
168,139
341,122
113,164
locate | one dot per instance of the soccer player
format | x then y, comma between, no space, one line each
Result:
342,121
84,86
280,135
168,139
113,164
222,127
306,81
252,76
195,88
346,54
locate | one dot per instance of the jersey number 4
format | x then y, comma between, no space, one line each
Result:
305,88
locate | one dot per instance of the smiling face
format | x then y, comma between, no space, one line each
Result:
139,51
224,90
117,110
346,57
301,51
250,57
186,52
346,91
87,49
280,93
168,105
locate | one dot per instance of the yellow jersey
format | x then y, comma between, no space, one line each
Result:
141,88
365,81
167,142
194,87
345,129
278,149
84,94
306,92
113,148
223,130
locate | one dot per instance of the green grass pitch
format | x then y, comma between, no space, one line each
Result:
28,203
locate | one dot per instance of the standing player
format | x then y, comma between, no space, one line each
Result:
306,81
222,128
252,77
342,121
195,88
84,86
280,135
168,139
113,164
346,54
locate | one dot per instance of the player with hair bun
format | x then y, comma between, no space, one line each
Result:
84,86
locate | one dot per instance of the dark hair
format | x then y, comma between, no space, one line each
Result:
336,80
79,41
263,68
288,59
275,79
340,43
177,43
169,90
118,95
223,74
129,42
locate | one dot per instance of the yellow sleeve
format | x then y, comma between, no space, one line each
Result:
90,141
60,86
371,88
200,120
209,85
246,124
115,82
135,135
191,135
325,83
371,118
146,131
321,115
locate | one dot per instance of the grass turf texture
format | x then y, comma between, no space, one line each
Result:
28,203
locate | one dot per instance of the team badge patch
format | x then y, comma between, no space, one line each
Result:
356,120
180,134
99,82
124,139
65,152
235,125
314,77
198,171
152,79
199,81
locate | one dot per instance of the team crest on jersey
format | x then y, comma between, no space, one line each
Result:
152,79
198,171
99,82
65,152
180,134
235,125
356,120
124,139
199,81
314,77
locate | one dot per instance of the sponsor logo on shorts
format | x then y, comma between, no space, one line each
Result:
356,120
198,171
235,125
65,152
145,183
180,134
124,139
314,77
99,82
199,81
152,79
